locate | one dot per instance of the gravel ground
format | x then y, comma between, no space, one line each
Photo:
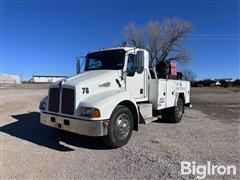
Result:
208,132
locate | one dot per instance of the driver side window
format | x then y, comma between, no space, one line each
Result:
130,64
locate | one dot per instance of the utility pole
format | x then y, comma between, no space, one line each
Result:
21,75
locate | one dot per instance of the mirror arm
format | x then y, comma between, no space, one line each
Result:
79,64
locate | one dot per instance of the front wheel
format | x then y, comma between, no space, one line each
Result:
120,127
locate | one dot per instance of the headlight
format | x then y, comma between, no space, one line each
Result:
89,111
42,105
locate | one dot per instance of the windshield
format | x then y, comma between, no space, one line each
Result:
110,59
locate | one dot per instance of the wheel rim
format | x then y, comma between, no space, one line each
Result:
122,127
179,108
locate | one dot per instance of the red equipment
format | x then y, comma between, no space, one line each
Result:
173,67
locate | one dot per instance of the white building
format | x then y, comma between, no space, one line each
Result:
9,79
45,79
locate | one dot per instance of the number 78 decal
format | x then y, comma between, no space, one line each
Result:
85,90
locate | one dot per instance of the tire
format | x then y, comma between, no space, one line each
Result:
120,127
165,114
174,114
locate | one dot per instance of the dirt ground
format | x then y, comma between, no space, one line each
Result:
209,131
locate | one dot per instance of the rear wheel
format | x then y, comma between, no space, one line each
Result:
120,127
174,114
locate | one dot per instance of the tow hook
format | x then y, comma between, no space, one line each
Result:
105,124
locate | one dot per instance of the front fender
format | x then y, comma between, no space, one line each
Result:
45,101
107,101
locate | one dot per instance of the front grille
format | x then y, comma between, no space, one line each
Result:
68,96
54,95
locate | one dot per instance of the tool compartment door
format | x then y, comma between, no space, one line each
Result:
175,87
162,94
171,93
157,93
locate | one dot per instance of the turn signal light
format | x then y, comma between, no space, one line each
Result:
89,111
95,112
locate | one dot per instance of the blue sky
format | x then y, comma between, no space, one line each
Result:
44,37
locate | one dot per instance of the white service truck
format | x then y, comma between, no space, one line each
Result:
115,93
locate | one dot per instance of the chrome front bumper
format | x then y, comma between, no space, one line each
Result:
84,127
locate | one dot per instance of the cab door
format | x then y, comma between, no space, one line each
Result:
136,76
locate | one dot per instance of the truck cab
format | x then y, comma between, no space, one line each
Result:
114,94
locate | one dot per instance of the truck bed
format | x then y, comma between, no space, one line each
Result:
164,92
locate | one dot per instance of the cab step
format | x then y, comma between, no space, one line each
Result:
150,119
146,112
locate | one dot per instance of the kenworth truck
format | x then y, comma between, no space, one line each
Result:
115,93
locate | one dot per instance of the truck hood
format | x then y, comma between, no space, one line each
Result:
91,83
92,77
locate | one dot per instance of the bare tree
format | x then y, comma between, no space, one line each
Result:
134,35
189,75
154,39
164,39
115,43
172,32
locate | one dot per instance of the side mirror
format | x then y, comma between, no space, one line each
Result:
80,63
78,68
139,61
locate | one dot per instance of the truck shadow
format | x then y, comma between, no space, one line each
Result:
162,120
28,127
